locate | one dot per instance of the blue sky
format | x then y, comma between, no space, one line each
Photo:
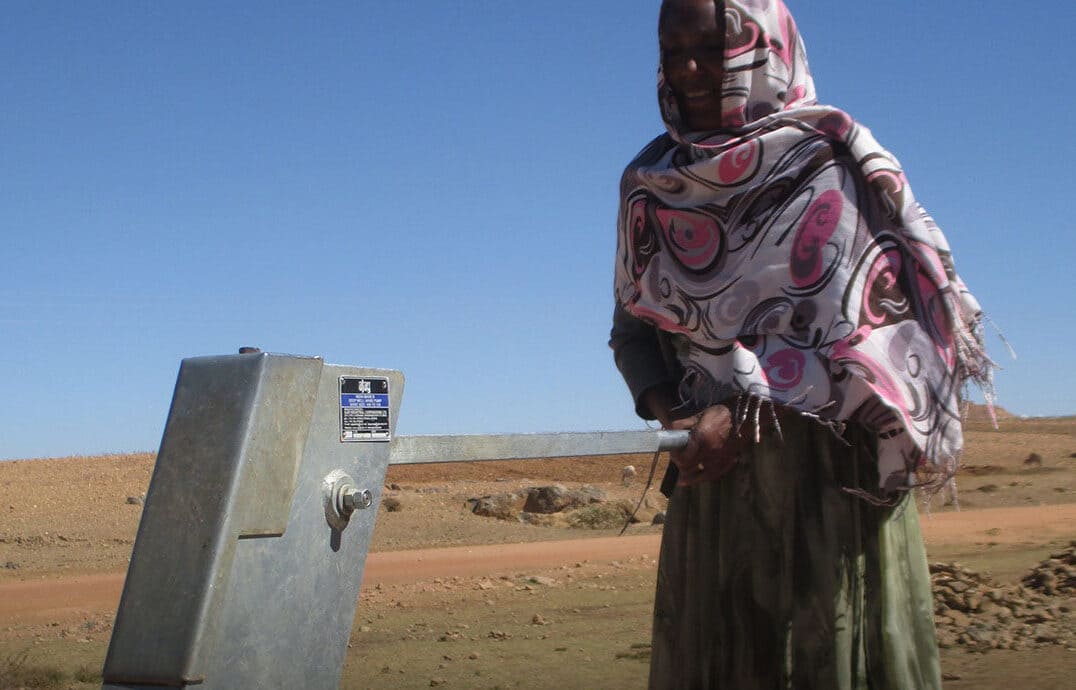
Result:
431,186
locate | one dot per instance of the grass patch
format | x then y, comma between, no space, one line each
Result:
600,516
86,674
17,671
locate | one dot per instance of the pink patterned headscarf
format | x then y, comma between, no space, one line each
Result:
788,255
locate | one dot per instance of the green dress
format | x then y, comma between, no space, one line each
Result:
775,577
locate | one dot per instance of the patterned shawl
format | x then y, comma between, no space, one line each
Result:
788,256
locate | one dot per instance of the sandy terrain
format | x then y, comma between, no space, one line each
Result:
67,528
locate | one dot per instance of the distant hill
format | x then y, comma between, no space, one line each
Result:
979,413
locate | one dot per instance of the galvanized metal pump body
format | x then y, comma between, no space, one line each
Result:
254,535
249,557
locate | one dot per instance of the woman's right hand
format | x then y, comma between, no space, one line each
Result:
711,450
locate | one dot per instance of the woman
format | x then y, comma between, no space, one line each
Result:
781,295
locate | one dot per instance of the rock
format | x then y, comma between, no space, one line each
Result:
541,580
946,638
981,634
953,601
501,506
959,620
11,565
546,499
134,500
659,519
539,619
392,504
588,494
1033,460
655,501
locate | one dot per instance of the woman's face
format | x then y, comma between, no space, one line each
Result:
691,35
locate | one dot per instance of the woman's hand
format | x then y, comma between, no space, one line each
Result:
711,450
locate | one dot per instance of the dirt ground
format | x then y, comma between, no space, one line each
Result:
458,600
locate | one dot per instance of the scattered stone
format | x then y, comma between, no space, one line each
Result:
979,614
434,682
392,504
627,474
472,656
988,488
134,500
539,619
659,519
11,565
395,487
1033,460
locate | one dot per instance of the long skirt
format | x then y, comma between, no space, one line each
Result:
776,577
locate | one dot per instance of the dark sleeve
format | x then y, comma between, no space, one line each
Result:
640,357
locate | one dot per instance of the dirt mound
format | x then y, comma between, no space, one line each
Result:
973,611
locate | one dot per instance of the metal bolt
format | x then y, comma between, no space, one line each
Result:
356,499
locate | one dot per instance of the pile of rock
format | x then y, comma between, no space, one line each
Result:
558,506
536,500
1056,575
975,612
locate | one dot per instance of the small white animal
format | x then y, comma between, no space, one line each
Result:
627,474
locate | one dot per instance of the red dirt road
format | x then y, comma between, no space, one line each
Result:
39,601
